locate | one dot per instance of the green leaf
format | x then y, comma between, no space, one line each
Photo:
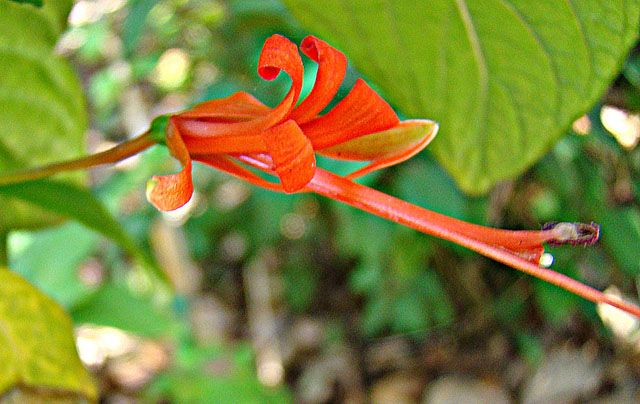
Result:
117,306
37,349
37,3
42,110
214,374
70,201
505,79
31,257
74,202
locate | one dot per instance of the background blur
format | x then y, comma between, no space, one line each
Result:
294,297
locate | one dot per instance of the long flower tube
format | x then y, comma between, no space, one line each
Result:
503,246
399,211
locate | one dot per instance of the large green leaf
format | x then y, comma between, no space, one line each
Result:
74,202
505,78
117,306
42,110
37,350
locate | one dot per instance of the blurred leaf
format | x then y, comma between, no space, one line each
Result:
423,182
401,293
37,349
258,7
97,37
632,70
358,232
546,206
117,306
300,283
502,96
556,304
531,347
509,306
569,185
76,203
72,202
57,277
376,315
213,374
367,275
42,111
437,302
135,23
620,224
105,89
265,210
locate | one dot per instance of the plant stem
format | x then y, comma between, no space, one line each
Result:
113,155
399,211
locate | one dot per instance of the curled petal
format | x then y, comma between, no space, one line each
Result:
169,192
385,148
292,155
360,113
238,107
332,66
279,53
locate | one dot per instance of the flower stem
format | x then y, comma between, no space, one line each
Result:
113,155
426,221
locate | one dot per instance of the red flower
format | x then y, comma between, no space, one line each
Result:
283,139
237,133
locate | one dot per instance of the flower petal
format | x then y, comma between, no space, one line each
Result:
278,53
224,144
238,107
169,192
385,148
292,155
332,66
360,113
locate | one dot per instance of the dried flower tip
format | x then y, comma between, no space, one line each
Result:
573,233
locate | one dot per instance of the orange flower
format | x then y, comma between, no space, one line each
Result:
239,134
282,140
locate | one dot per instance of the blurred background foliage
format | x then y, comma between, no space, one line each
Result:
282,297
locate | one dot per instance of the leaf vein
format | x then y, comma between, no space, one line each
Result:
474,41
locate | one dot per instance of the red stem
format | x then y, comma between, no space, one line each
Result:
426,221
